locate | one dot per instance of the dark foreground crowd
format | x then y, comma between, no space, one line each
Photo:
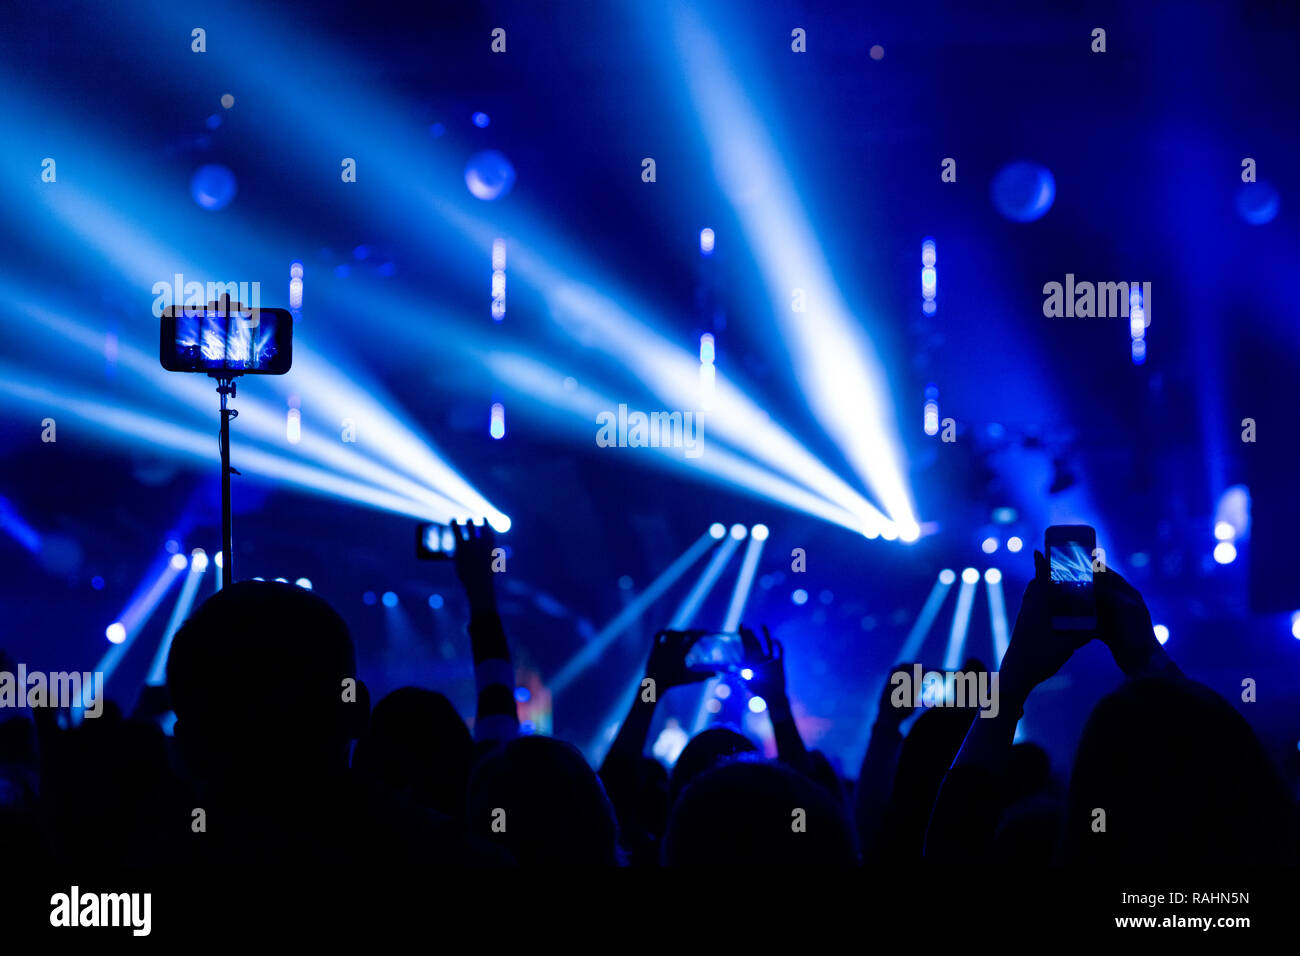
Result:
279,762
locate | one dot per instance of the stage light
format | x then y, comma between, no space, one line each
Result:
1225,552
1139,351
722,690
717,530
800,596
304,583
927,253
390,599
947,576
281,580
213,186
293,426
220,561
157,673
746,674
489,175
759,532
481,120
497,428
889,532
1295,625
738,531
295,269
295,294
706,349
435,601
1014,544
172,546
931,418
706,242
179,562
990,545
523,695
1161,632
992,576
198,560
1223,531
756,705
115,632
961,619
997,615
909,532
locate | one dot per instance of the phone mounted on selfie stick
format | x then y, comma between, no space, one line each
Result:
226,340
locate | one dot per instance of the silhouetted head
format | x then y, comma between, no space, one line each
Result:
758,814
418,744
538,798
706,750
925,756
1181,779
262,678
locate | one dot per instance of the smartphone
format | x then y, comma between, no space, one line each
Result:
434,542
717,651
214,341
1072,602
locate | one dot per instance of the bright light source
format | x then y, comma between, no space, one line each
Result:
738,531
889,532
1224,531
800,596
706,349
927,253
497,429
500,523
115,632
1225,552
293,426
970,576
909,531
1014,544
717,531
990,545
746,673
198,560
931,418
757,705
498,255
390,599
221,562
992,576
480,120
1295,625
759,531
1162,633
706,242
303,583
947,576
179,561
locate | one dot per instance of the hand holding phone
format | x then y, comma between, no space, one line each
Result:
1072,596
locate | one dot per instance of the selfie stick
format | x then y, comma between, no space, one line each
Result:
226,389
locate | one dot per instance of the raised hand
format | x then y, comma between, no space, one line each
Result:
767,663
473,559
1036,651
667,664
1124,626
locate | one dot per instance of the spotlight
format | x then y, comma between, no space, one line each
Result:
1014,544
990,545
497,428
909,531
115,632
746,674
435,601
1225,552
757,705
500,523
1295,625
219,559
303,583
723,690
759,531
1162,633
390,599
800,596
970,576
706,242
717,530
179,562
1223,531
738,531
198,560
992,576
947,576
480,120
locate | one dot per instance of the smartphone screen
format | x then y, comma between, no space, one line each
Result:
720,651
434,542
208,340
1069,553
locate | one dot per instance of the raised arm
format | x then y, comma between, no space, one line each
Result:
496,719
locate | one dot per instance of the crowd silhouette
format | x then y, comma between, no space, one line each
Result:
279,763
